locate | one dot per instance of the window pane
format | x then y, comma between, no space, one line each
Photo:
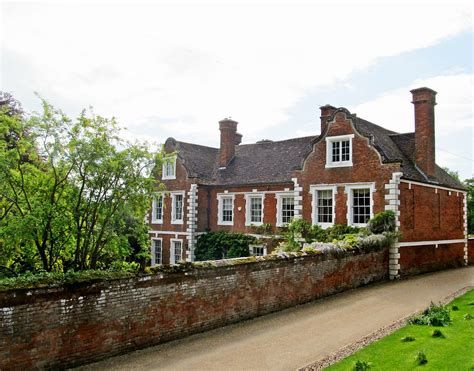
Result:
324,205
255,209
287,209
227,209
159,207
257,251
345,150
360,205
178,207
336,151
158,250
169,167
177,251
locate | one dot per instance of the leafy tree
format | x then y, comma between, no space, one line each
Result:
68,189
470,204
453,173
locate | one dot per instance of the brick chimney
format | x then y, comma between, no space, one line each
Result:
326,112
424,100
229,137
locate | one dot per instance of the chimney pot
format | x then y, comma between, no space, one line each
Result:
424,100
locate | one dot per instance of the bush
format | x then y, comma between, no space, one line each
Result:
338,231
420,358
434,315
222,245
437,334
362,366
54,279
407,339
468,317
382,222
454,308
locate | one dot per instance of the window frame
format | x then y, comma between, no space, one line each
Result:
154,219
153,251
172,250
349,192
329,144
220,210
314,189
173,207
164,174
252,251
280,197
248,208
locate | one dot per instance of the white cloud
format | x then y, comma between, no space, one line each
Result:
184,67
453,117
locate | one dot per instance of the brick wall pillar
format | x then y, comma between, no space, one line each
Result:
466,254
298,199
192,222
393,204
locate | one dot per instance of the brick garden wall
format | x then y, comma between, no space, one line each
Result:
68,326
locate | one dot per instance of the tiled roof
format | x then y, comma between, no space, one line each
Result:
274,161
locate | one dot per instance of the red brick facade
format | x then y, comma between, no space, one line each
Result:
349,156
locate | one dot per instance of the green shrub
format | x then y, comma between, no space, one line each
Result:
54,279
420,358
434,315
454,308
222,245
407,339
468,317
437,334
382,222
362,366
338,231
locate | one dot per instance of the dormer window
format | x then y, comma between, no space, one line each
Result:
169,168
339,151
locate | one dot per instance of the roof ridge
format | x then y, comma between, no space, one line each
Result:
197,145
271,141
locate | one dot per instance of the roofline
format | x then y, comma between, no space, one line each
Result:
434,185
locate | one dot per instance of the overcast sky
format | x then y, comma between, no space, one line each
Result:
177,69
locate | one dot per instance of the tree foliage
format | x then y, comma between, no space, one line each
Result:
73,193
470,204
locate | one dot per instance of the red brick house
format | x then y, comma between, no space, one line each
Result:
345,175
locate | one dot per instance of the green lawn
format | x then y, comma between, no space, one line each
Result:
453,352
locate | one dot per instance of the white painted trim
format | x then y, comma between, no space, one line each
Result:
153,262
248,197
220,198
153,208
183,211
172,250
348,190
431,186
329,142
168,232
424,243
279,205
167,177
314,213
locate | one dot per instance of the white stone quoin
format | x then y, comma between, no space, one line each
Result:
191,225
298,199
393,204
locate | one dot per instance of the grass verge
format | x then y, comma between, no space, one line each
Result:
451,351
